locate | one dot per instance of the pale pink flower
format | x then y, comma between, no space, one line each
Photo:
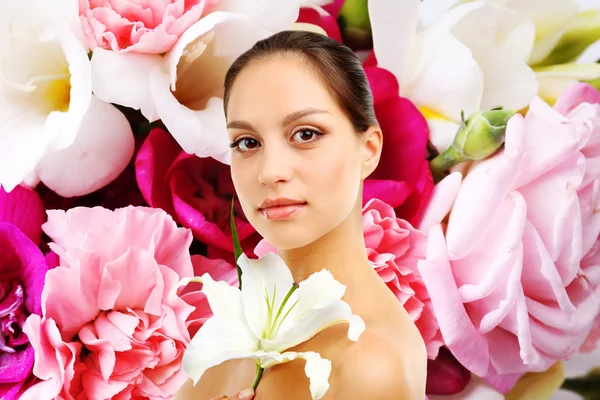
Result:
394,248
141,27
508,281
112,325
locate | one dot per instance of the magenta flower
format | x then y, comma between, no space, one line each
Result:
402,179
445,375
324,17
22,271
197,192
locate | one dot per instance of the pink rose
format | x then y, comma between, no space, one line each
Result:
197,192
140,27
509,283
394,248
112,325
402,179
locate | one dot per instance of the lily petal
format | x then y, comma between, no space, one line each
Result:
225,300
394,25
123,78
218,340
317,369
317,305
265,283
101,151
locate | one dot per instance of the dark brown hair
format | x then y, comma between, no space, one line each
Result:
337,65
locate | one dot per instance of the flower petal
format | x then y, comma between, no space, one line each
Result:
225,300
200,132
394,25
24,208
218,340
441,201
500,40
316,305
101,151
317,369
152,162
482,192
445,88
123,78
265,282
24,141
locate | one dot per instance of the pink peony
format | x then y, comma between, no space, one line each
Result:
394,248
22,271
112,325
509,283
141,27
402,179
197,192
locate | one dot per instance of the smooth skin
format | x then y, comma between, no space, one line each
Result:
291,139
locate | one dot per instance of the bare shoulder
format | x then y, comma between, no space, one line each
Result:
375,368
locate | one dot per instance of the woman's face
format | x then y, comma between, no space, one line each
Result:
296,162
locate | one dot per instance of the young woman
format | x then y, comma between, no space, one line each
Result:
303,138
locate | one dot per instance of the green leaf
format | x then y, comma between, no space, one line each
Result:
237,247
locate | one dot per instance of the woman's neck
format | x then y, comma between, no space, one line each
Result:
341,251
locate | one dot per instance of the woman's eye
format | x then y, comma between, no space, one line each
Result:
306,135
245,144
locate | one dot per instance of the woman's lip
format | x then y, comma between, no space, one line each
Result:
282,212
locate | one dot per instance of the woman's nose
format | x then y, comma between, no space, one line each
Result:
275,166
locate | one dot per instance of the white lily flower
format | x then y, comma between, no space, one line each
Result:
184,87
269,315
550,17
45,97
471,58
559,25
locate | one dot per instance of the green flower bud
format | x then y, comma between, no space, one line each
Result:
355,14
355,25
478,137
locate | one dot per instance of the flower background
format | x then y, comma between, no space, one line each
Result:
115,185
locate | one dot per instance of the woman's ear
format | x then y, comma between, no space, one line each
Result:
372,143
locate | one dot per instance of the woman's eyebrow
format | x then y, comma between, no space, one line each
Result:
288,119
301,113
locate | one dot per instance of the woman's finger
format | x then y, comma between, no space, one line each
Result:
247,394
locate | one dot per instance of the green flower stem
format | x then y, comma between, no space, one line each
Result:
258,376
237,248
444,162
